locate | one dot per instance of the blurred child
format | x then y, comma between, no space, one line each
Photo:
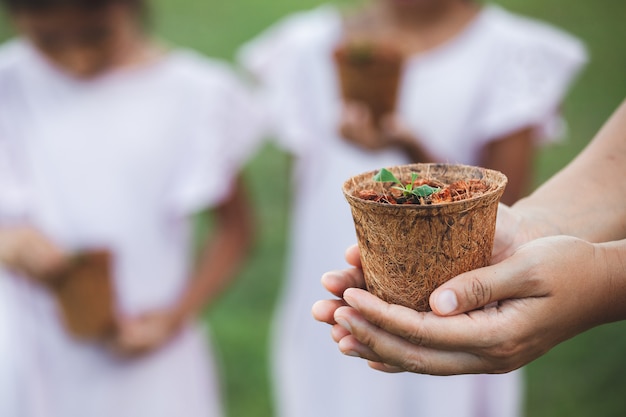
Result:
480,86
9,376
110,140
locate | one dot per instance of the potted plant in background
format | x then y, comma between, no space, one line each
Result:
369,72
84,291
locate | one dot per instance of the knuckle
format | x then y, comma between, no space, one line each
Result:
416,337
478,292
409,330
501,350
417,334
505,350
505,355
414,363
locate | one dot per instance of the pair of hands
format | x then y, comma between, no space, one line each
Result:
27,252
358,127
539,292
137,336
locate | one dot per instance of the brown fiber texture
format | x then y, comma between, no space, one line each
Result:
85,295
373,82
409,250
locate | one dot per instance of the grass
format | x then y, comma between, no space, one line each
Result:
582,377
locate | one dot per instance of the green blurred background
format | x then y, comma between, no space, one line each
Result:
583,377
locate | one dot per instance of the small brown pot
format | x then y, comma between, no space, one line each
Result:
85,294
408,250
370,74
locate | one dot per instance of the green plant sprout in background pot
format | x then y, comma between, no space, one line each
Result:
369,73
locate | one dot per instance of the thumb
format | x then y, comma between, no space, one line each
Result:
476,289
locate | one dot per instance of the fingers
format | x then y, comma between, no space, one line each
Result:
531,315
336,282
324,310
475,331
389,124
358,127
143,334
353,256
414,327
511,278
383,367
130,339
350,121
357,114
337,333
379,346
394,130
44,260
33,255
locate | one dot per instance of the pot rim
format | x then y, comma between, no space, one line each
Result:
348,187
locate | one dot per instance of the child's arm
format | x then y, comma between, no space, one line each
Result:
222,255
29,253
218,262
513,156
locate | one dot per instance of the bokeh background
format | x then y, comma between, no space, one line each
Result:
585,376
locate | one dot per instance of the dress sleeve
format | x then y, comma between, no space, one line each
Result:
227,128
532,72
277,60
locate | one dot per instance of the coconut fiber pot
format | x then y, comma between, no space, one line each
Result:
85,294
369,74
409,250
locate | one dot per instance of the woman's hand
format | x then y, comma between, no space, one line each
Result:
515,228
28,252
512,231
549,290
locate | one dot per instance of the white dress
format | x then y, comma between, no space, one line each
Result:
9,377
501,74
121,161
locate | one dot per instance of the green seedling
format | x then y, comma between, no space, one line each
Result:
408,190
360,53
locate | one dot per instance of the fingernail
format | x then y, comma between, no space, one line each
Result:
446,302
352,353
329,276
343,323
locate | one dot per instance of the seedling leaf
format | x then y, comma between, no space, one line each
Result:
384,175
408,190
425,191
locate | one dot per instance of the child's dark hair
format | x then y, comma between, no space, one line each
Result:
43,5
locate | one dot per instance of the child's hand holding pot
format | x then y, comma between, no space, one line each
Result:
136,336
358,127
28,252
